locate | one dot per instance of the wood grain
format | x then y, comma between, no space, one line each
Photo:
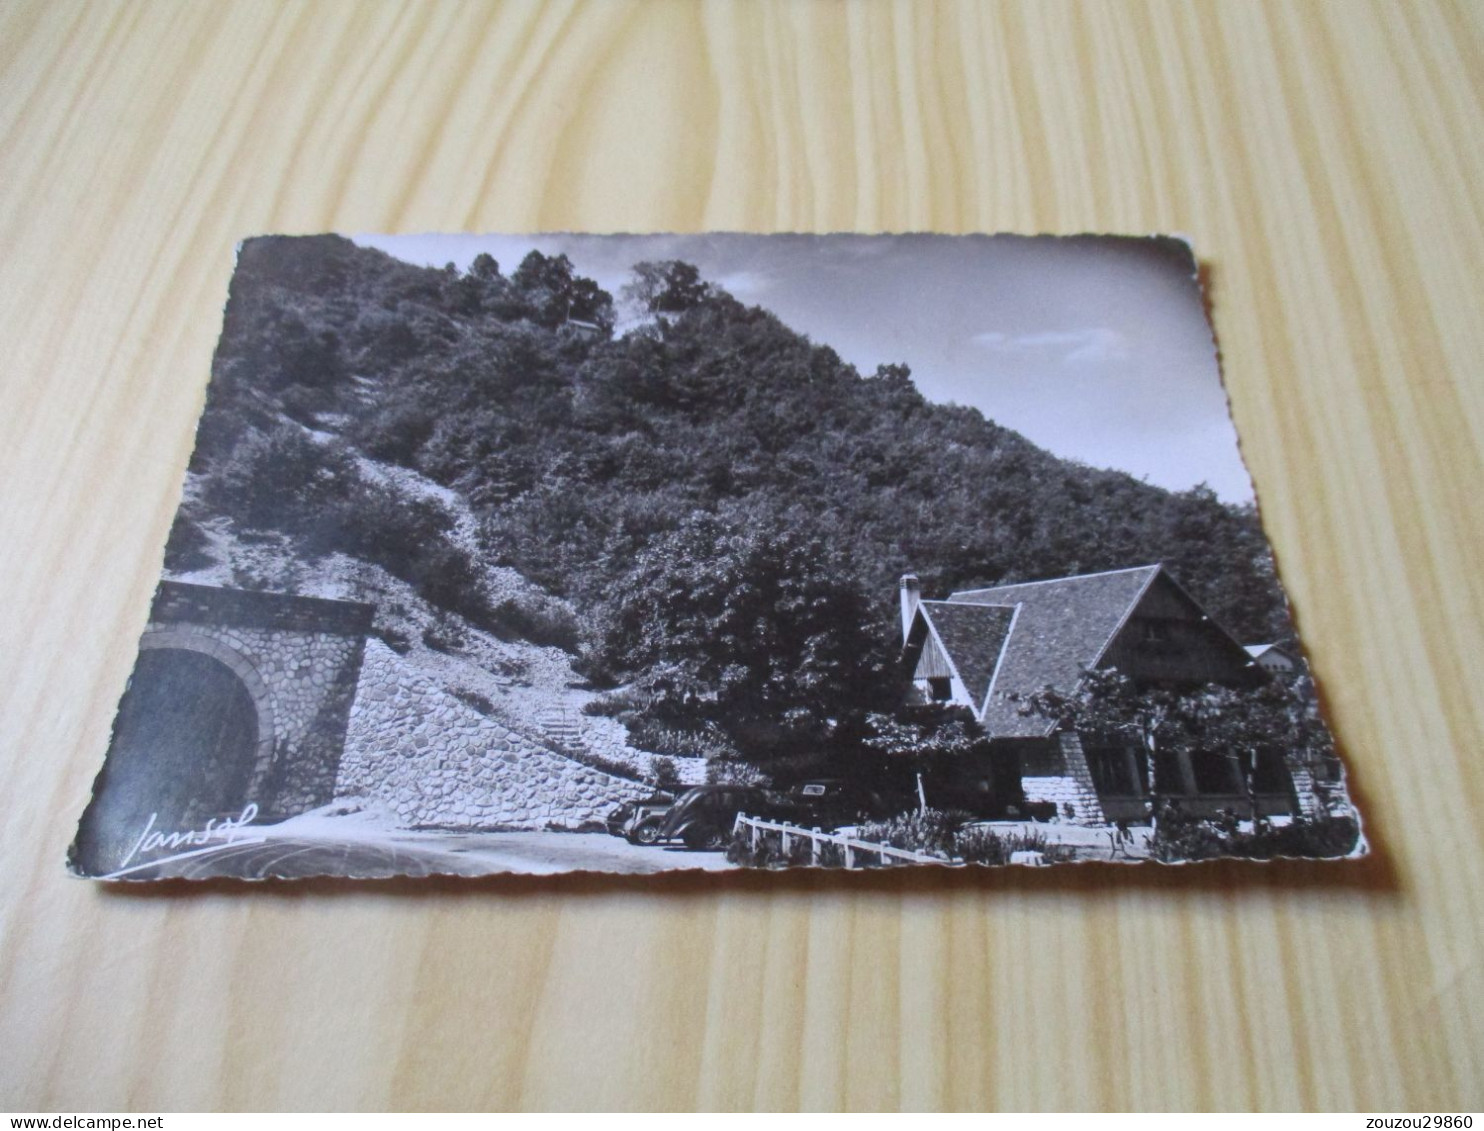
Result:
1327,160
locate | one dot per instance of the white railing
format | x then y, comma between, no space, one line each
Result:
849,845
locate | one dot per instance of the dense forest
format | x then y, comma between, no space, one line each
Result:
723,505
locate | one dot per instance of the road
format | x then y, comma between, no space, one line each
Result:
298,853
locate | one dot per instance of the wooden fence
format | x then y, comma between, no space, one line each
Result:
851,848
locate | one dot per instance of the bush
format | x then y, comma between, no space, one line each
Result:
395,639
614,706
665,775
658,738
932,831
549,623
186,548
978,845
279,480
730,771
1180,836
769,852
445,635
473,699
951,835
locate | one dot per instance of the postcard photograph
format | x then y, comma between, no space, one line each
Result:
630,554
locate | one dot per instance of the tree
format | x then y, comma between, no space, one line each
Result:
922,737
590,303
485,267
667,287
556,294
748,624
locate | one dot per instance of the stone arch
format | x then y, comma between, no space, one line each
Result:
189,640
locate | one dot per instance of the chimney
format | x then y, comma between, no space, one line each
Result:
911,595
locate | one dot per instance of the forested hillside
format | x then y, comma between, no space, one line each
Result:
719,507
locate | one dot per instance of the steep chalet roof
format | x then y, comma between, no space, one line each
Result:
974,637
1062,627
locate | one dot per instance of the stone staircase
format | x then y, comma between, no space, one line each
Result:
561,725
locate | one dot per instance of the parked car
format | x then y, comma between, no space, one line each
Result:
649,817
828,803
703,817
639,822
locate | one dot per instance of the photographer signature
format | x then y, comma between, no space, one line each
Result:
228,830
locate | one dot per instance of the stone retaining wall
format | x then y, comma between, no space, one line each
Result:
436,761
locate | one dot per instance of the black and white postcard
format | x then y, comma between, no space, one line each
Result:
638,553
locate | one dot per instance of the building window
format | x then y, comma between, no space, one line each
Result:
1168,778
940,688
1270,773
1118,769
1215,772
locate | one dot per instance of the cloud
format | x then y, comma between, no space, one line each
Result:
745,284
1096,344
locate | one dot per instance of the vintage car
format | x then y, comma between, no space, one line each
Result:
702,818
639,821
828,803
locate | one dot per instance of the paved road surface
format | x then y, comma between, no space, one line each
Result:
293,855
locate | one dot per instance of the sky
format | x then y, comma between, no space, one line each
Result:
1095,348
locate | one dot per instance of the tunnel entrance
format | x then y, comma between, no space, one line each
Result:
184,749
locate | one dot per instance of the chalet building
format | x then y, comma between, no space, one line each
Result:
985,649
1273,659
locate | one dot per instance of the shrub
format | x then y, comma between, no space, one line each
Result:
187,547
1180,836
729,771
279,480
665,774
950,835
475,700
549,623
769,852
657,738
445,635
395,639
932,831
614,706
979,845
831,855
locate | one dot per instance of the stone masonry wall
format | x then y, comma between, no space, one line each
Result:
1058,772
436,761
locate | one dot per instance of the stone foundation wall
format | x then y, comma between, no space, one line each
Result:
436,761
1057,772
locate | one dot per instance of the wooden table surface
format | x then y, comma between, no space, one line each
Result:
1325,157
